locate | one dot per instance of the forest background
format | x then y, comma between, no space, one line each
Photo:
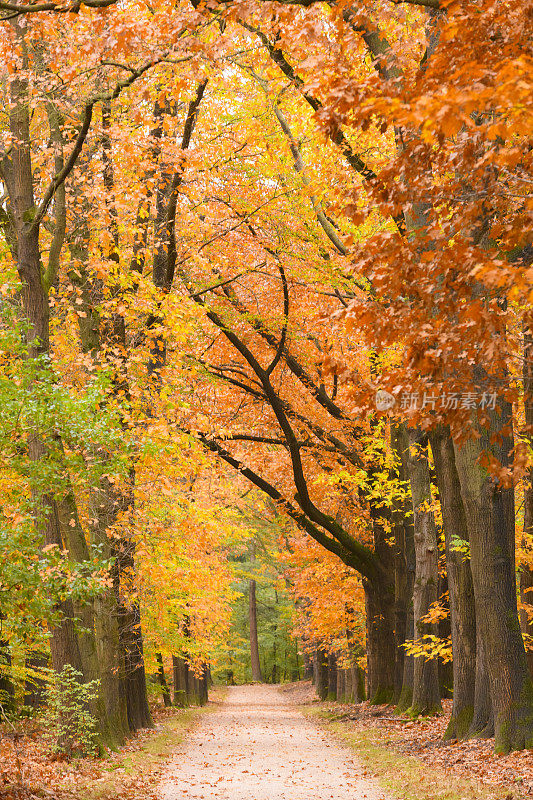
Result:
266,310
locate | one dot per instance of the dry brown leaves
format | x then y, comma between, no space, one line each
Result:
474,758
28,772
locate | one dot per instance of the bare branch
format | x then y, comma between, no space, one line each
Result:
283,337
70,8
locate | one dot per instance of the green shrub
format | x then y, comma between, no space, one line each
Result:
70,727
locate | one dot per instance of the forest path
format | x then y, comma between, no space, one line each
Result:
257,746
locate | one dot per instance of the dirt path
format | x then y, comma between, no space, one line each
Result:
256,746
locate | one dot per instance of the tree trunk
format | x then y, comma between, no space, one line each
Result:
426,693
444,632
526,569
490,517
341,685
404,559
254,641
349,691
7,690
180,675
359,683
135,677
107,503
129,613
162,680
482,724
98,638
332,676
380,641
460,586
405,700
308,666
321,683
17,172
203,692
34,687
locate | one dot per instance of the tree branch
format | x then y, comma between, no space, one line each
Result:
283,337
334,133
82,135
357,556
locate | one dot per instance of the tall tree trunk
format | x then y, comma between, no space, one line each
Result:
426,693
161,678
17,173
34,686
7,690
349,690
321,683
308,666
482,724
405,700
252,620
404,559
180,679
98,638
332,676
135,677
460,586
444,631
108,501
380,641
380,610
489,511
113,334
341,685
526,569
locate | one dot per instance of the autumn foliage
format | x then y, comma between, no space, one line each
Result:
283,248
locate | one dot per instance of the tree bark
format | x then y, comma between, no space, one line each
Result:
349,691
254,641
161,677
321,684
405,699
380,641
332,676
526,569
18,175
404,558
252,621
108,501
460,586
34,687
341,685
135,677
489,511
180,678
308,666
426,693
482,724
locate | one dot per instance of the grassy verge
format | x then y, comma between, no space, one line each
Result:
138,767
405,777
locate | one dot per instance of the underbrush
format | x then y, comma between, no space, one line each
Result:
29,772
411,761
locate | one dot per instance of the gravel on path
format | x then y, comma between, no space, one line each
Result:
256,745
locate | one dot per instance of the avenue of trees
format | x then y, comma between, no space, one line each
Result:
265,304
